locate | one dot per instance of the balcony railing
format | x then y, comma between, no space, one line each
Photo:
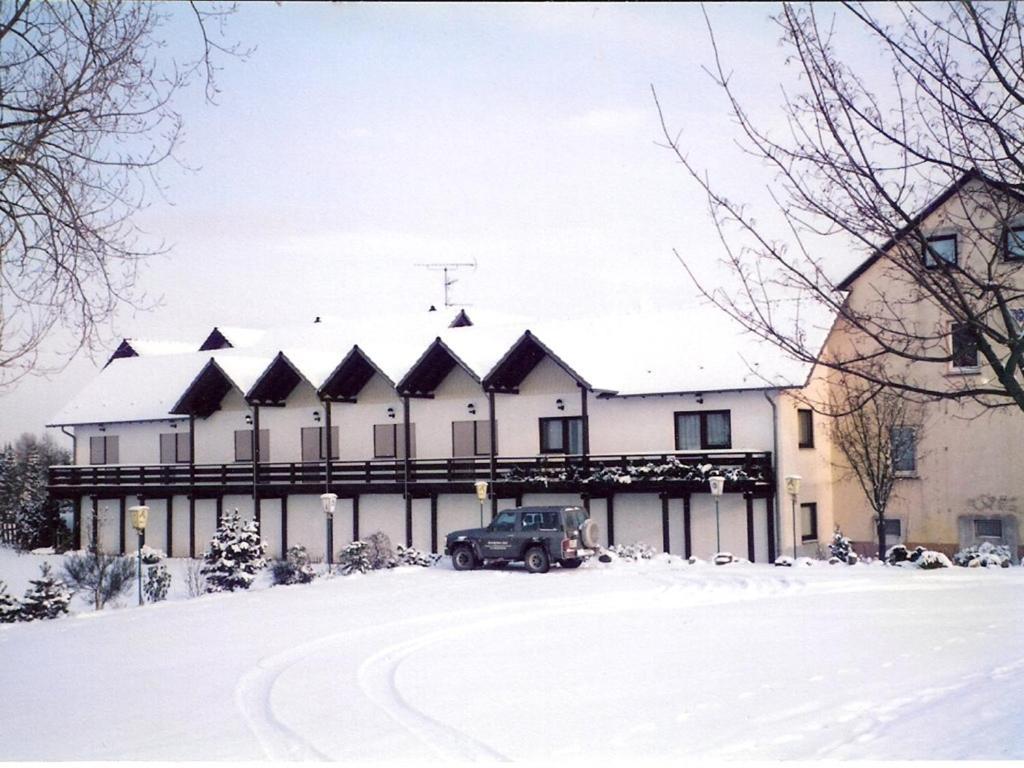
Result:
741,469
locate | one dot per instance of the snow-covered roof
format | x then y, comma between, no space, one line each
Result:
145,347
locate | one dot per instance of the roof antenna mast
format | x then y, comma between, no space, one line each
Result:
444,267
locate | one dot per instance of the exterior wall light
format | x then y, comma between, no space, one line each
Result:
391,413
316,417
472,409
102,427
560,404
248,418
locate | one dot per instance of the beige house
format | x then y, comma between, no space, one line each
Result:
960,481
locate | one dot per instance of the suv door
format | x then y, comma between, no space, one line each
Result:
498,537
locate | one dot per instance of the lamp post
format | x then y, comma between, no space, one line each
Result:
717,484
140,515
481,494
793,489
330,503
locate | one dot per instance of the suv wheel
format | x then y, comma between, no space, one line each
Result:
571,562
537,560
463,558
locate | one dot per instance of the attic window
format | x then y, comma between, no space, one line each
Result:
939,250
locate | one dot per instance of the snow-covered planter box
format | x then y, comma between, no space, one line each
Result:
670,470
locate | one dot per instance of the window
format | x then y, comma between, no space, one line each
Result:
703,430
243,445
809,522
103,450
963,347
505,522
940,250
1013,244
561,435
314,443
471,438
988,529
805,428
174,448
904,449
541,521
893,529
389,441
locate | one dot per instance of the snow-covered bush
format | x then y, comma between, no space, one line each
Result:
984,555
784,561
151,555
100,576
10,608
412,556
158,582
235,556
379,550
841,549
927,559
896,554
47,598
354,558
635,551
195,581
723,558
296,567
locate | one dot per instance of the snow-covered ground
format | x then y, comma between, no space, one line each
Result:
655,659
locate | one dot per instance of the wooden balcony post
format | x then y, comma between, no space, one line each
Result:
256,465
355,518
95,533
585,418
433,523
750,526
170,525
687,537
123,508
329,443
492,464
610,509
284,525
192,522
770,515
664,523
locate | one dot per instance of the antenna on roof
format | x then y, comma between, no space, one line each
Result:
444,267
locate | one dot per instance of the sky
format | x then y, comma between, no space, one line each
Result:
360,142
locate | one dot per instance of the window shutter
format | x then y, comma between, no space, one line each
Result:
264,445
384,441
335,442
311,444
97,450
243,445
113,454
184,452
168,446
483,437
462,438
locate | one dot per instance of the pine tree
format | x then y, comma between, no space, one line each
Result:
9,486
235,555
47,598
10,608
32,520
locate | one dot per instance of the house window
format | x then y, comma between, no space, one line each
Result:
963,347
805,428
988,529
703,430
174,448
903,443
103,450
809,522
561,435
314,443
471,438
1013,244
243,445
940,250
893,528
389,441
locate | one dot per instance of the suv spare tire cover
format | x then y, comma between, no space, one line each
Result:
589,534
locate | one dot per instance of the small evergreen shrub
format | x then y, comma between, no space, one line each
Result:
379,551
354,559
412,556
235,556
929,560
984,555
841,549
102,577
296,567
157,584
151,555
635,551
10,608
47,598
896,554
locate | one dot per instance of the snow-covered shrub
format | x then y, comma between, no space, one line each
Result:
10,608
47,598
379,550
694,560
100,576
354,559
723,558
235,556
158,582
984,555
151,555
841,550
195,581
635,551
412,556
785,561
296,567
896,554
927,560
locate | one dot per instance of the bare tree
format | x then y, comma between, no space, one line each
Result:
87,118
861,162
877,433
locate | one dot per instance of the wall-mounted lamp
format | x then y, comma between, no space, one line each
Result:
248,418
173,424
472,409
560,404
391,413
316,417
700,398
103,427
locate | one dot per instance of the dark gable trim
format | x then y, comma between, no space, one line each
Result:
431,369
216,340
520,360
124,349
204,395
928,210
350,376
276,383
461,320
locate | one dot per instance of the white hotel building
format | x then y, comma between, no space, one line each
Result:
625,416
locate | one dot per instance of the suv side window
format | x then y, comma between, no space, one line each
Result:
506,521
540,521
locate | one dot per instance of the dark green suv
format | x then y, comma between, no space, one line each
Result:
538,536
